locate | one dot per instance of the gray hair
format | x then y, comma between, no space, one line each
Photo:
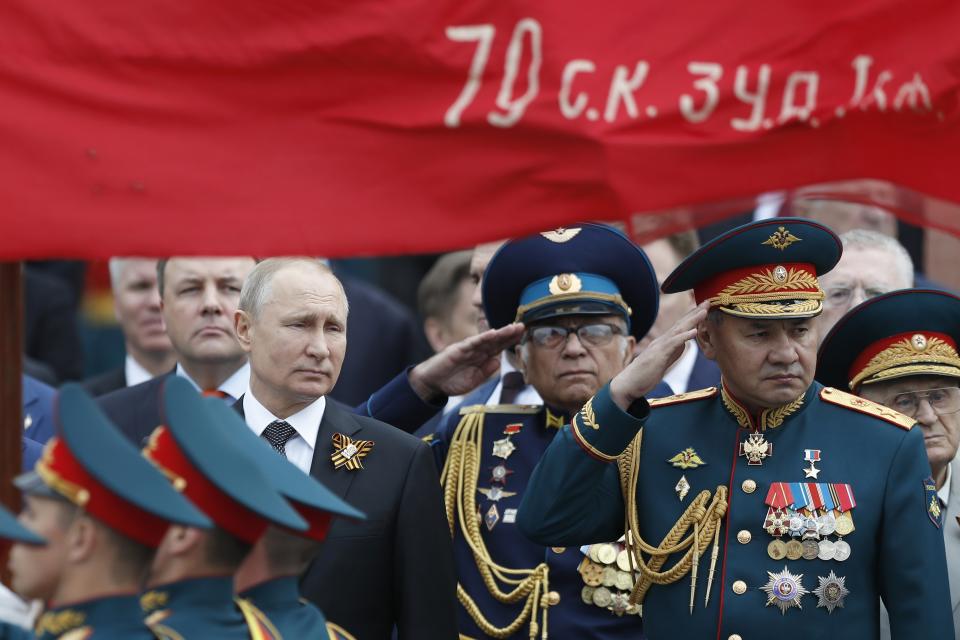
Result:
256,288
116,266
866,239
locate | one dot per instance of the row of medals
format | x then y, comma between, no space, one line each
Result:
812,529
607,578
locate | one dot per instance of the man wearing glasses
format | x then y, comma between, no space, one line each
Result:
585,294
900,350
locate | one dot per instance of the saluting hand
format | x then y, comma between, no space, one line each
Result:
649,367
464,365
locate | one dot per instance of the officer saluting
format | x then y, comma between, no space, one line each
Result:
192,577
584,294
771,507
900,350
269,576
103,510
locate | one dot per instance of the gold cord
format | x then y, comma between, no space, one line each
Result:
704,514
459,481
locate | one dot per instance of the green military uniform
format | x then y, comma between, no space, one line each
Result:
116,617
790,523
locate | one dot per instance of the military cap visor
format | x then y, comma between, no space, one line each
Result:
93,466
767,269
13,531
308,495
587,269
211,470
910,332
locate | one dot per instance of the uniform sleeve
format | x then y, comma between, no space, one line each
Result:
573,496
397,404
426,581
913,565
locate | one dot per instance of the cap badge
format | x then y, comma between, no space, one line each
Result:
919,341
561,234
781,239
780,274
565,283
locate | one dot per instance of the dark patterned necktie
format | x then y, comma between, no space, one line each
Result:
278,433
513,384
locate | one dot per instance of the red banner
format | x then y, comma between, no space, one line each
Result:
342,128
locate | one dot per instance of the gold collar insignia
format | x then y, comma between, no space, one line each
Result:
768,418
59,622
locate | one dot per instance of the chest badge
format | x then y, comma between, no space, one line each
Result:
756,449
348,452
812,456
831,592
784,590
687,459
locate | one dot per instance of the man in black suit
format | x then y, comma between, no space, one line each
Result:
394,570
136,305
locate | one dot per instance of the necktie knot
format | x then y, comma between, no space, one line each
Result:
513,384
278,433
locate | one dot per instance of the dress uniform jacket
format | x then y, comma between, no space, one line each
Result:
896,551
294,617
116,617
204,608
570,616
9,631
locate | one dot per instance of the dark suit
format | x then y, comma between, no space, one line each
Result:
395,568
384,338
136,410
705,373
50,332
106,382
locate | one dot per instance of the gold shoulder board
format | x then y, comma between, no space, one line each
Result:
501,408
856,403
689,396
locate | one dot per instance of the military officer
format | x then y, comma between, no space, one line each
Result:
192,576
103,510
585,295
770,507
13,531
900,350
269,576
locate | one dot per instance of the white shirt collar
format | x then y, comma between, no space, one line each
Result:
134,372
234,386
305,422
528,395
678,376
944,492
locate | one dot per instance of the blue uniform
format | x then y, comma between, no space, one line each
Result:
117,617
9,631
894,550
204,608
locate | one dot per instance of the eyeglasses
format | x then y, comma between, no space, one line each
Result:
840,296
596,334
942,401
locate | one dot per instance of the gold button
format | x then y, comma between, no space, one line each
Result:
559,549
748,486
735,636
739,587
553,598
743,536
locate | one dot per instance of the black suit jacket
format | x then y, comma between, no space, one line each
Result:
106,382
395,568
135,410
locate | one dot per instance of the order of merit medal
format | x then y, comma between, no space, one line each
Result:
809,512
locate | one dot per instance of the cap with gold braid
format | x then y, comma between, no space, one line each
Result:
211,471
766,269
90,464
902,333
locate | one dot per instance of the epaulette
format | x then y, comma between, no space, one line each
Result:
679,398
501,408
856,403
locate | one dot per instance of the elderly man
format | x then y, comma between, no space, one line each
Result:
872,263
585,295
396,568
136,305
771,507
900,350
103,511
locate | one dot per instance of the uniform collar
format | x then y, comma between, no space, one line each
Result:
205,593
273,594
768,418
554,418
118,612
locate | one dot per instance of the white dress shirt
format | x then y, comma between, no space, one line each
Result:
134,372
527,395
305,422
234,386
678,376
944,492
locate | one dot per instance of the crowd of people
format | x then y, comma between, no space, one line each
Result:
751,438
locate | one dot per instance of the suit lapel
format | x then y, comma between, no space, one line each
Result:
335,420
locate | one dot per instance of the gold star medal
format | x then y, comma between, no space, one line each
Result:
784,590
